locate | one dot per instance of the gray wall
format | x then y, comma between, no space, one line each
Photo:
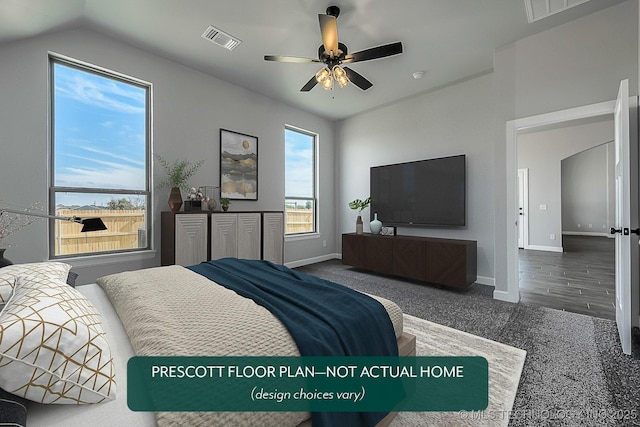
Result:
542,153
189,108
588,191
454,120
579,63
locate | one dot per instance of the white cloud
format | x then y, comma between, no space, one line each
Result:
112,155
103,174
93,178
99,91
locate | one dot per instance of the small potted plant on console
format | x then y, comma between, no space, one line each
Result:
225,202
359,205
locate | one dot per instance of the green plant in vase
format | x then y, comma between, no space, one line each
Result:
359,205
177,177
225,202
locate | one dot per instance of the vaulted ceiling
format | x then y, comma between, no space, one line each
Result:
447,40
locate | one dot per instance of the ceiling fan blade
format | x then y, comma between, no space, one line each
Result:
278,58
357,79
375,52
329,31
310,84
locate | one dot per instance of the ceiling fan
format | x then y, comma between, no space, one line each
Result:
333,54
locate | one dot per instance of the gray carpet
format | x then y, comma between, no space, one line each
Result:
574,373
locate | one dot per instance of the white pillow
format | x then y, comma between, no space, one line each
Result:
43,272
53,347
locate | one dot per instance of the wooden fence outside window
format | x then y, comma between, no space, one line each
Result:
298,221
126,229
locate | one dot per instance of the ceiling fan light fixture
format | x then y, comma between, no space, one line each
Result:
340,75
325,78
323,74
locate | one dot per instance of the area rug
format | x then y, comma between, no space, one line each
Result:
505,367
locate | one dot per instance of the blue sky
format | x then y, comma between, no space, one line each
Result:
299,164
100,127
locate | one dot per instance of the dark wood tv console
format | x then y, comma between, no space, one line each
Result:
447,262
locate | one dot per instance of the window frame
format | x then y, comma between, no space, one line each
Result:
315,198
54,59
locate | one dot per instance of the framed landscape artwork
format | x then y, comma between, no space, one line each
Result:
238,165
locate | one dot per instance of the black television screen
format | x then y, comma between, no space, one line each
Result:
422,193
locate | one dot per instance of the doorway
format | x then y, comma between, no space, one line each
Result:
523,208
566,256
513,129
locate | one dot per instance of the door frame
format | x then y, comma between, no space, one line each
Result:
523,220
513,127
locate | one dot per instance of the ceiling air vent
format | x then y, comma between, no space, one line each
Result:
538,9
220,38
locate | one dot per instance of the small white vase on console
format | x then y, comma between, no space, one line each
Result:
375,226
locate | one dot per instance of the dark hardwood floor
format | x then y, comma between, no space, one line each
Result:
579,280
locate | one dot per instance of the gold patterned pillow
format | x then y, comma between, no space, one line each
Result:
53,348
42,272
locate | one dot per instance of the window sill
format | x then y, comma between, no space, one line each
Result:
104,259
305,236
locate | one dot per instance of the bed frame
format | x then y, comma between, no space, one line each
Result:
406,347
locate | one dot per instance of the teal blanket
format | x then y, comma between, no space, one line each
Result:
324,318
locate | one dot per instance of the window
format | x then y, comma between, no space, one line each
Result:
300,181
100,144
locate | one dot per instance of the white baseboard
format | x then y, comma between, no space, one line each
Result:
544,248
314,260
486,280
506,296
587,233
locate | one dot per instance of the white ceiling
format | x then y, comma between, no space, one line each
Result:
450,40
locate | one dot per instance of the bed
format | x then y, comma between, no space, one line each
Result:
224,324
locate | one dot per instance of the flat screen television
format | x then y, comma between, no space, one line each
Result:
421,193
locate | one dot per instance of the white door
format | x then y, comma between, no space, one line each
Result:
623,217
523,197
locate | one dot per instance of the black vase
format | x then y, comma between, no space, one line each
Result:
3,261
